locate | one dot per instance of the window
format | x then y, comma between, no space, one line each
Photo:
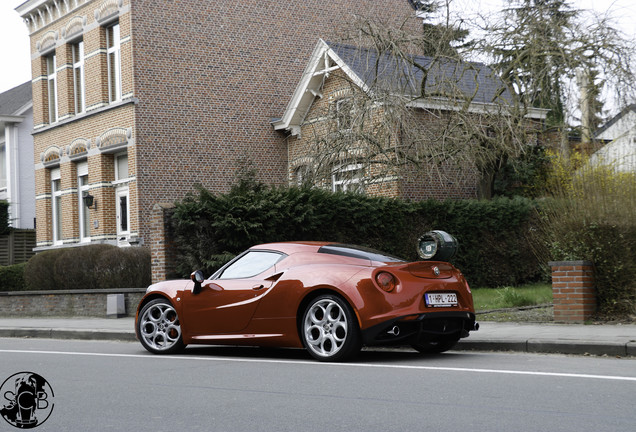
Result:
114,62
51,87
121,167
56,205
344,113
348,178
78,76
84,211
301,175
250,264
3,167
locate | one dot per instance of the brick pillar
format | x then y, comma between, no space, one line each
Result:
161,242
573,291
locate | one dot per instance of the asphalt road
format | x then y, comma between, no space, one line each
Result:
117,386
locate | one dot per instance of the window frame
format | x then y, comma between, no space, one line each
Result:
343,111
113,61
51,86
351,184
4,172
79,85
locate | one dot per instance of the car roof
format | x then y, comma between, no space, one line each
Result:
292,247
340,249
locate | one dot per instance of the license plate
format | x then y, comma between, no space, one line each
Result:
441,299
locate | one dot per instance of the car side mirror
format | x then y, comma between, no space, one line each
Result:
198,278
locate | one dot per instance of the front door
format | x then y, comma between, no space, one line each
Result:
123,214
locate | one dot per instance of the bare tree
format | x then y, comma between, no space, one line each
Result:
540,46
414,117
418,111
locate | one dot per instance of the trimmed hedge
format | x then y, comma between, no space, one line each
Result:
12,277
493,235
88,267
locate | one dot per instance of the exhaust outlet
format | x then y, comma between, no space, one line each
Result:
394,331
476,326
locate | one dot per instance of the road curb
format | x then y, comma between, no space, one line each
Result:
547,346
43,333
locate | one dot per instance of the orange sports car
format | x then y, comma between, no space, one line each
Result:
329,298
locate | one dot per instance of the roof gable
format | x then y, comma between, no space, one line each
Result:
16,100
614,120
447,81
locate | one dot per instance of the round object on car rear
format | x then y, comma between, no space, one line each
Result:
438,245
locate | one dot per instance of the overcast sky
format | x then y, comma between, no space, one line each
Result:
15,62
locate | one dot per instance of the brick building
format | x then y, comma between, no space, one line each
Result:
339,139
135,101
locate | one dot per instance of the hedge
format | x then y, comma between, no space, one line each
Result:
88,267
12,277
494,235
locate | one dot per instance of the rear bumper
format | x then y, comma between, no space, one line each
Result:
433,326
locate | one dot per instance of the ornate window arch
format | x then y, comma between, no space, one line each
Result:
51,156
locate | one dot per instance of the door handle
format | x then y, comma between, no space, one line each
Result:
257,287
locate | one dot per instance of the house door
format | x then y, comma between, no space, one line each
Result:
123,214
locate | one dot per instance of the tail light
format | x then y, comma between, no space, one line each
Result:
386,281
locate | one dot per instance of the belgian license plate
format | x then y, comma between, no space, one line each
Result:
441,299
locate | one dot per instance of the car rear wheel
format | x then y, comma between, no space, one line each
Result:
159,329
329,329
434,347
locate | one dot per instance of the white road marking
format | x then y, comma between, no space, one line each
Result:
316,363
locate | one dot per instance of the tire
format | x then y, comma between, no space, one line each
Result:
435,347
159,329
329,330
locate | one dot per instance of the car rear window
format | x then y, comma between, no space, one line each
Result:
360,252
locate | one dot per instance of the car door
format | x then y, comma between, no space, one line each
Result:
227,303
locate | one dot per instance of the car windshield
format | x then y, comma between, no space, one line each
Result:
358,252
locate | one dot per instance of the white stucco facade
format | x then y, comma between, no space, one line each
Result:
620,151
17,176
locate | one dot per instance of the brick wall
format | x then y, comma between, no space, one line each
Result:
210,77
573,291
206,79
89,303
442,181
161,243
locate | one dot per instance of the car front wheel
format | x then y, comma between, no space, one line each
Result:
159,329
329,329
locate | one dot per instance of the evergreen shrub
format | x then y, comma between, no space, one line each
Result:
12,277
493,235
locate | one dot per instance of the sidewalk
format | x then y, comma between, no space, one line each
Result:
609,339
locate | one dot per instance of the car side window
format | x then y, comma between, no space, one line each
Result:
251,264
